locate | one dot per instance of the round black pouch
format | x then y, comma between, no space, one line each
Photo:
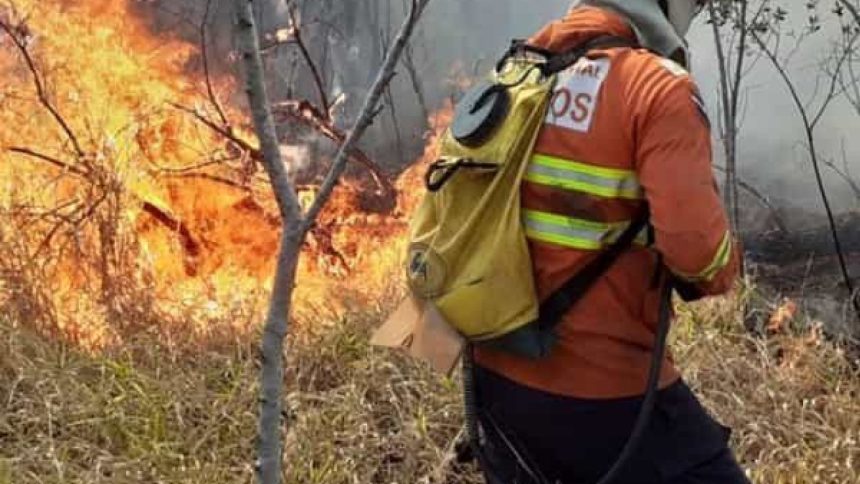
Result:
481,110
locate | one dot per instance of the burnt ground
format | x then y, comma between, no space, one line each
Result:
803,265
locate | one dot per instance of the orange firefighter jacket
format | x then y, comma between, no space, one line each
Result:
625,127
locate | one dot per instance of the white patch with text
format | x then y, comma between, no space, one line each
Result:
575,98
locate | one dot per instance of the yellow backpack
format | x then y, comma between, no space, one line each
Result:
468,255
468,252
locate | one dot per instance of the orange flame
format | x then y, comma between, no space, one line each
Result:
202,247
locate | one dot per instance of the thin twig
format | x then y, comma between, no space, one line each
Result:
309,115
209,177
199,166
852,9
50,159
809,129
42,93
844,175
204,53
417,87
855,84
225,131
756,193
834,78
296,31
367,112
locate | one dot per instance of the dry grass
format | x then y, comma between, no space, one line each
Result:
793,399
361,415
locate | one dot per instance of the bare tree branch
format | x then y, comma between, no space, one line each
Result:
731,51
44,99
198,166
728,122
50,159
852,9
189,243
758,195
853,185
834,81
296,226
368,111
204,54
276,325
409,64
309,115
851,87
296,31
225,131
809,130
212,178
288,203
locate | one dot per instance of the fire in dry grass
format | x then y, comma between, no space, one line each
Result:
118,205
782,316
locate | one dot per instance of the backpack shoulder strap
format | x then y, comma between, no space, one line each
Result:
564,298
559,62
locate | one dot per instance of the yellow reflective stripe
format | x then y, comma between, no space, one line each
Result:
572,243
600,171
573,232
573,175
721,260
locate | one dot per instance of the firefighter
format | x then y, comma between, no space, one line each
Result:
626,127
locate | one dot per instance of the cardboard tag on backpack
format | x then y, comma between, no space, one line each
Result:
419,328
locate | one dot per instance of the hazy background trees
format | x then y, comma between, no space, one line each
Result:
457,41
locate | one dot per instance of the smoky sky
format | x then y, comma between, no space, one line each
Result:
466,37
772,145
460,40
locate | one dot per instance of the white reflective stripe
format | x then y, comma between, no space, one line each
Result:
572,175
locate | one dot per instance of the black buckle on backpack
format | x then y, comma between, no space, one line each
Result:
441,171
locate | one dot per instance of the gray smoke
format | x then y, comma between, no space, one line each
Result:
772,147
458,41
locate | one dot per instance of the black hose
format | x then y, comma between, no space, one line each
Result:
470,404
642,420
652,388
473,428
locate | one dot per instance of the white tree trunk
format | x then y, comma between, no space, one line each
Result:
295,225
272,376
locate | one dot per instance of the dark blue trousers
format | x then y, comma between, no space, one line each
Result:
533,437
